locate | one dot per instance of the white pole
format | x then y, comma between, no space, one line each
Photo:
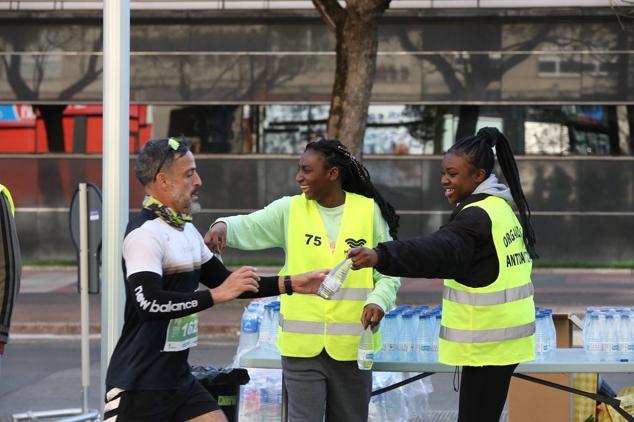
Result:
83,292
116,157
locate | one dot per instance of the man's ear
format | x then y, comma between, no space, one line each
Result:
161,181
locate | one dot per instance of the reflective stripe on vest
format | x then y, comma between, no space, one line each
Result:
488,299
313,327
487,336
352,294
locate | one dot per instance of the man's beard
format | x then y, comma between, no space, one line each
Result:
195,208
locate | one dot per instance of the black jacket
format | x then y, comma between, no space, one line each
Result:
462,249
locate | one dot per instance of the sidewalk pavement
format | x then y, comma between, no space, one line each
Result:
48,302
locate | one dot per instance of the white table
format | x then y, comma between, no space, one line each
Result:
559,361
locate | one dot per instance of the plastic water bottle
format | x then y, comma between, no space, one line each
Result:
249,329
551,332
592,339
610,339
399,311
249,401
376,409
424,337
630,343
406,338
270,400
421,308
388,338
268,329
436,333
335,279
541,342
589,311
624,336
365,353
276,322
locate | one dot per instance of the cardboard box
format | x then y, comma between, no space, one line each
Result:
532,402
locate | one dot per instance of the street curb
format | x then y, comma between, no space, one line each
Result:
623,271
73,328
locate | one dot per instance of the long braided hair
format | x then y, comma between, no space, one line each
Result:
479,152
354,177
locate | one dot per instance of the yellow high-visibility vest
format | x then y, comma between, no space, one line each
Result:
309,323
5,191
492,325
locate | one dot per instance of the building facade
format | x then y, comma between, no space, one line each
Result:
249,82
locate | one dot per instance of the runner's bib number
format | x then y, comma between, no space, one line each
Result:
182,333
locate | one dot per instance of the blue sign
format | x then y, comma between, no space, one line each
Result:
596,113
8,113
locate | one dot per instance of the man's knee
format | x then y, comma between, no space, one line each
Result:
215,416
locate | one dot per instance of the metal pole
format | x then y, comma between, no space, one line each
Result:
34,416
83,292
116,111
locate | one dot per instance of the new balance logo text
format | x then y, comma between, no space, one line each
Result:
162,308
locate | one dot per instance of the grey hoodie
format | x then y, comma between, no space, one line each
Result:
493,187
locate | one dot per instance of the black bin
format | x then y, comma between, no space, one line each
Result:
224,385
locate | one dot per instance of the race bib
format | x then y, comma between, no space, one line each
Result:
182,333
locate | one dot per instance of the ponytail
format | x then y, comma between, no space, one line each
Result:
354,177
479,150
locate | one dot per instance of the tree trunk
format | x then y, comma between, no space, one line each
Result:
513,123
613,130
357,42
468,121
630,120
52,116
439,129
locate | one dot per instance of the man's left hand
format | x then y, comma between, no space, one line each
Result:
372,315
308,283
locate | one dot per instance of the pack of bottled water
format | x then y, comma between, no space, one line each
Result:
258,326
608,334
410,334
405,403
261,398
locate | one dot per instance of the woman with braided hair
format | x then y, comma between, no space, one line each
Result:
485,256
339,209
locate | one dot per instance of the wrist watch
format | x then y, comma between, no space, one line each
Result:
287,285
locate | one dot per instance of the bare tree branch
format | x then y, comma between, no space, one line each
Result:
443,66
331,12
17,83
229,66
513,60
92,73
624,13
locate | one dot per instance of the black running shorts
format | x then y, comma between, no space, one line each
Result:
158,405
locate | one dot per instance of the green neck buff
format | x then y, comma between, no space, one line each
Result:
165,213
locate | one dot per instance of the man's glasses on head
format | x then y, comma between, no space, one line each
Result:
173,145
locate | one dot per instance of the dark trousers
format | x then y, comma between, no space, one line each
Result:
321,386
483,392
